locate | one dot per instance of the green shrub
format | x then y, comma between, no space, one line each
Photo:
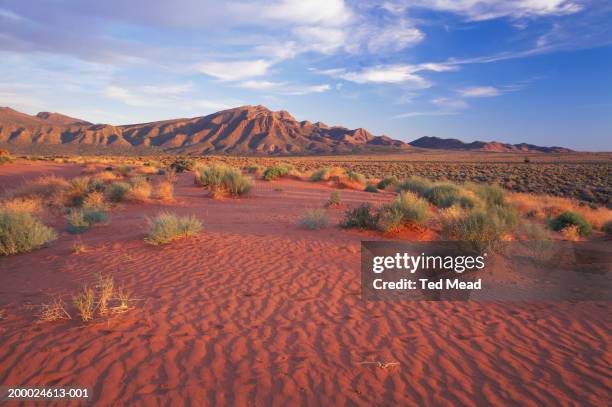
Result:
362,217
388,181
97,185
413,208
182,164
481,229
167,227
6,159
79,220
314,219
118,191
491,195
254,169
322,174
443,195
277,171
356,177
569,218
371,188
415,184
223,180
124,170
21,232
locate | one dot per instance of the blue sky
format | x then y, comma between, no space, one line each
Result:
537,71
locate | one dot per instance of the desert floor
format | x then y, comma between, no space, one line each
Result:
258,311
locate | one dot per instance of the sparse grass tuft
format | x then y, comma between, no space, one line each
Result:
105,287
85,303
167,227
21,232
569,218
334,200
314,219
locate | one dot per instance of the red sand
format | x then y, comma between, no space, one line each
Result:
257,311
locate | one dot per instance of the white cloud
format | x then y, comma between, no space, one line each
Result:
324,40
480,92
284,88
235,70
394,38
289,12
125,96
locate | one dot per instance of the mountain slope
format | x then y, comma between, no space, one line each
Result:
243,130
454,144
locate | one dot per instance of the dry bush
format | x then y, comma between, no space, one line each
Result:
106,176
140,190
547,206
147,170
571,233
105,287
50,188
170,175
89,169
78,247
95,200
165,191
55,310
85,303
27,204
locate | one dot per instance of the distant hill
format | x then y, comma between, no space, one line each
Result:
243,130
454,144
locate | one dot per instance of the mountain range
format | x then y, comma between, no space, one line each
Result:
454,144
245,130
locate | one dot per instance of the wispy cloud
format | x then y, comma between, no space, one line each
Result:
234,70
284,88
479,92
390,74
477,10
